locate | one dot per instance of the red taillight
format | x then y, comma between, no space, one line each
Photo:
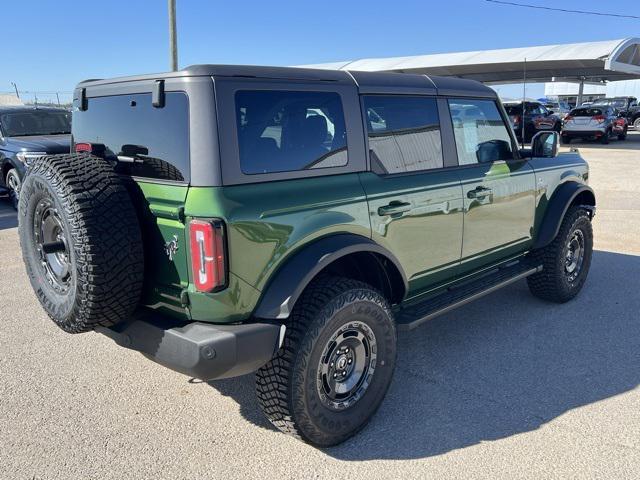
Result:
208,256
516,119
568,118
83,147
599,118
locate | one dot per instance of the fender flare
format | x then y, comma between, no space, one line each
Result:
290,280
560,202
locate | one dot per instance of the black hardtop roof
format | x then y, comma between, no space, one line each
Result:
367,81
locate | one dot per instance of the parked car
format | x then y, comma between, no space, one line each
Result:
561,109
600,122
27,132
536,119
225,234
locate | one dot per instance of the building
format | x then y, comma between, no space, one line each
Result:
568,92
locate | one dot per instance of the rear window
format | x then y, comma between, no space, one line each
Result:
148,142
283,131
35,122
513,109
586,112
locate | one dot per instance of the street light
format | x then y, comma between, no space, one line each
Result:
173,37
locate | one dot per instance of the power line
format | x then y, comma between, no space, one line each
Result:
582,12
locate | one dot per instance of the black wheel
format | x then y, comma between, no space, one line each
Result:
335,365
604,139
13,183
81,242
623,135
565,139
566,260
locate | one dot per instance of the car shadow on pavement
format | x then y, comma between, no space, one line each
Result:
8,216
500,366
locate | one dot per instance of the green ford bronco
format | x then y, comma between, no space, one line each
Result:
224,220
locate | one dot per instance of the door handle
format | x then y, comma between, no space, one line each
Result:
479,192
394,208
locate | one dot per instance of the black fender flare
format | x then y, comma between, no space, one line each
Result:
558,205
290,280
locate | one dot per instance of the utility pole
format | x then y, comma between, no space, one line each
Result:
58,97
15,87
173,37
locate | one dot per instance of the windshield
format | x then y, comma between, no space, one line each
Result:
616,102
586,112
36,122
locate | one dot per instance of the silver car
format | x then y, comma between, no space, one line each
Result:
599,122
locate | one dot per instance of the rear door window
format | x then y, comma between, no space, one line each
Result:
145,141
283,131
404,133
480,132
586,112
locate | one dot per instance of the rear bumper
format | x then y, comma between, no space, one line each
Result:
201,350
583,133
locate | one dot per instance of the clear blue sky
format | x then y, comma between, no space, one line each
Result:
50,46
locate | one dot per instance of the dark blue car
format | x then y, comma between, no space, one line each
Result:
27,132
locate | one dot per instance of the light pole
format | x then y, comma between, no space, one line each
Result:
15,87
173,37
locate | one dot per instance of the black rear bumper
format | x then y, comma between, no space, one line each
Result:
201,350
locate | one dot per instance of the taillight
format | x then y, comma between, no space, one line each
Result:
516,119
208,256
599,118
83,147
568,118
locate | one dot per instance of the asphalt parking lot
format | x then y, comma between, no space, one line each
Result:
507,387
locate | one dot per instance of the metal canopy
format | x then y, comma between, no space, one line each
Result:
591,62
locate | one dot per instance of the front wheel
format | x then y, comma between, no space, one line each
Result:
335,365
565,261
13,183
636,124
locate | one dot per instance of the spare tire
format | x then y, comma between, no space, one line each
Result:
81,241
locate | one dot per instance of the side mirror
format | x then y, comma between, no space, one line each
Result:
551,112
545,144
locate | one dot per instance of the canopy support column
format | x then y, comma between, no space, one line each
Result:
580,92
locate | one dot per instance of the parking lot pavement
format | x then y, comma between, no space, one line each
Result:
506,387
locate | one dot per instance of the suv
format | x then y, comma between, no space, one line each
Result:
25,134
600,122
536,119
225,219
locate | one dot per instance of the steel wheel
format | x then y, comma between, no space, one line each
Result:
52,245
574,255
346,366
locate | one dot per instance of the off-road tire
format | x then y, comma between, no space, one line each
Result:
13,182
102,241
287,387
552,283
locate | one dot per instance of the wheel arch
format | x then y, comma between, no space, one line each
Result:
566,195
347,255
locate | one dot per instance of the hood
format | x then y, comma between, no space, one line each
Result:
40,143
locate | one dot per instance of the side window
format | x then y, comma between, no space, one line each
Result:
282,131
480,132
404,133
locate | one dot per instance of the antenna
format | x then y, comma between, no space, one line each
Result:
524,99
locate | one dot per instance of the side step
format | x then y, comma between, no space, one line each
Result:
412,316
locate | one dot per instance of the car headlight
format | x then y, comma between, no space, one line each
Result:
27,158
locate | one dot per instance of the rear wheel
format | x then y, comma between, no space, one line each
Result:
335,365
81,242
623,135
636,124
565,261
604,139
13,183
